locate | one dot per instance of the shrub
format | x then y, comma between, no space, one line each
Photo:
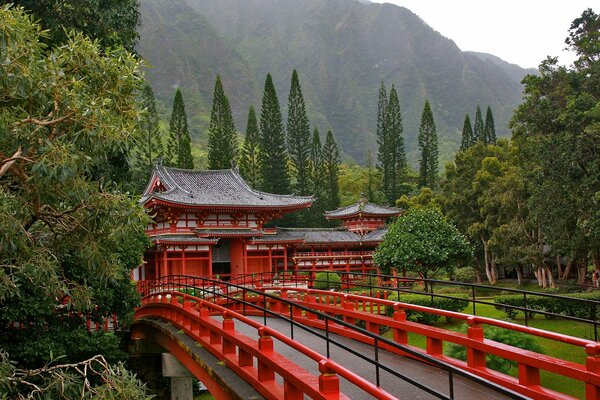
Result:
327,281
465,274
456,303
560,305
512,338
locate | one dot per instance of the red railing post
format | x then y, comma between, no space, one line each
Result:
291,392
592,364
265,345
329,383
347,304
475,358
228,326
400,335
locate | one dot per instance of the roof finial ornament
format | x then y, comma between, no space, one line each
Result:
234,165
159,161
362,201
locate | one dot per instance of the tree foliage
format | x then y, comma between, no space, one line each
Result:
298,137
273,154
467,138
112,22
222,137
489,127
68,238
478,127
148,146
428,144
422,241
179,150
249,155
331,172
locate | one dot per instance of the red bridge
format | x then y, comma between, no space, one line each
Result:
288,341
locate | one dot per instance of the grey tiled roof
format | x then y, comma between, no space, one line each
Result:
363,208
178,238
216,188
321,236
228,232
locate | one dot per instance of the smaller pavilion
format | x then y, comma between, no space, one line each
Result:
363,217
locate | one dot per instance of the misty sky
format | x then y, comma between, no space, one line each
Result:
522,32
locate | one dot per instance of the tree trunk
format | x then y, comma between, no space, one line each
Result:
486,259
494,269
581,272
559,268
538,274
549,276
567,269
519,271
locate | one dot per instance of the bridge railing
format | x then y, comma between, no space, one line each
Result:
587,311
257,301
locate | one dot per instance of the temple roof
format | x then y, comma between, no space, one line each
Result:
214,188
364,208
320,236
180,238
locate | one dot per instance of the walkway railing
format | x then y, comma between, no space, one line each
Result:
370,283
249,301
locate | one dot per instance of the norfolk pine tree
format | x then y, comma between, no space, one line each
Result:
383,156
331,167
273,155
394,147
222,138
149,145
298,137
479,127
428,144
249,158
489,128
467,139
179,151
316,181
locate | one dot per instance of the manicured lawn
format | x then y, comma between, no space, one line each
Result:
551,348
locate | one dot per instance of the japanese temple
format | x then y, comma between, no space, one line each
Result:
212,222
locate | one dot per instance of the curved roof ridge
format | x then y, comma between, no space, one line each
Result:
332,229
173,181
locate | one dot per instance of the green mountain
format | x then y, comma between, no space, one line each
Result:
342,50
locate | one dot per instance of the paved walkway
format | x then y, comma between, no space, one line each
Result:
418,371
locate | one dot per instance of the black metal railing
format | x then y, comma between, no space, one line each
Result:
208,289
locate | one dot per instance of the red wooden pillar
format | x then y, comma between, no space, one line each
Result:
164,271
245,255
183,270
270,259
210,272
285,265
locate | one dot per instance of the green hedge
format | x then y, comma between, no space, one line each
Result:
560,306
457,303
327,281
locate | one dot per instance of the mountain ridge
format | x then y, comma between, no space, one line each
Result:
342,50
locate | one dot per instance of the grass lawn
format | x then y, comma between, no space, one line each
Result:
551,348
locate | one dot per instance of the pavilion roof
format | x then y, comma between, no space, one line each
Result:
362,207
214,188
320,236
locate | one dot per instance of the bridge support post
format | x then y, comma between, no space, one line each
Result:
181,378
592,364
329,383
400,335
476,358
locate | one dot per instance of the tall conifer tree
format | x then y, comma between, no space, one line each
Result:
222,138
383,155
298,137
479,127
467,139
489,128
149,146
249,158
273,155
316,181
394,148
179,144
428,144
331,167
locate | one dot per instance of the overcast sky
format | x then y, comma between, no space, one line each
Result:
522,32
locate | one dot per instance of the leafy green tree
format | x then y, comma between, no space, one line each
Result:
148,144
392,156
478,127
467,139
489,128
331,168
422,241
556,129
428,144
274,176
48,197
113,22
298,137
179,150
222,137
249,158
